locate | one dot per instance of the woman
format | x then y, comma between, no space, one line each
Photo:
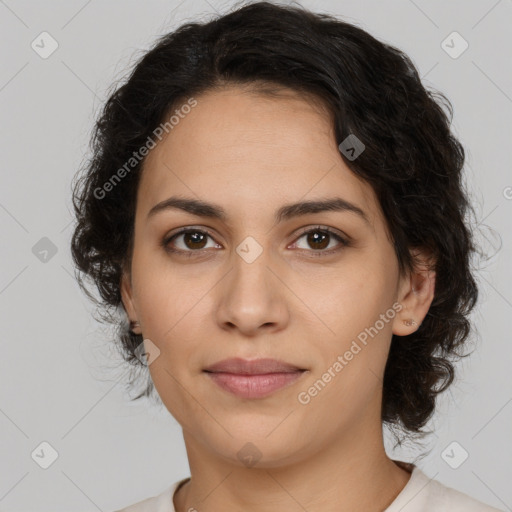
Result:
275,202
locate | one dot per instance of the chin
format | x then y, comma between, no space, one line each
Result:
260,451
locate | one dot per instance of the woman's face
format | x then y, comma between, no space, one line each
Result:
251,286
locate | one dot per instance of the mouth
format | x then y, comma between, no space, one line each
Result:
253,379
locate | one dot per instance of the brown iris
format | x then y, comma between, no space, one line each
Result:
317,239
195,239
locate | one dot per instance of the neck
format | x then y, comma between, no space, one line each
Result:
350,472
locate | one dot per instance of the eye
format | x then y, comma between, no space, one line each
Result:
188,240
192,240
319,239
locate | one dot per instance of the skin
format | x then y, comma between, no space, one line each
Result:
251,154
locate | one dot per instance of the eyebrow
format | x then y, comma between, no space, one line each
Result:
286,212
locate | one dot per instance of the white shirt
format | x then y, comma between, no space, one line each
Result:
420,494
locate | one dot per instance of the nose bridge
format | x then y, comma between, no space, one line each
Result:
250,276
250,294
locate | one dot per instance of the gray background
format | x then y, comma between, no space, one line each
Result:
59,381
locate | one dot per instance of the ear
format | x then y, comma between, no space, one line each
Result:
416,292
127,299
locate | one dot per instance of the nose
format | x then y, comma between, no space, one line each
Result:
252,297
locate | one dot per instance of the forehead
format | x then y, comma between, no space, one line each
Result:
250,152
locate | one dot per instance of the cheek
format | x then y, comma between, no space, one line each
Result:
359,314
163,293
351,298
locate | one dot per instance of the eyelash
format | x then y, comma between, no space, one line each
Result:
315,253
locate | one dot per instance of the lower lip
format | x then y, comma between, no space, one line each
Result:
253,386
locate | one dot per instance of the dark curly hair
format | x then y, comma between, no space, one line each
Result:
372,90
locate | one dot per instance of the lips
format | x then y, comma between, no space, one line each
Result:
258,378
241,366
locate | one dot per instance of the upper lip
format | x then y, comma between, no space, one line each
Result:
238,365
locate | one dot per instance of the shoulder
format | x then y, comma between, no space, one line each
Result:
424,494
162,502
452,500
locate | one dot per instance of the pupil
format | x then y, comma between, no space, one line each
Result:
313,239
195,238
